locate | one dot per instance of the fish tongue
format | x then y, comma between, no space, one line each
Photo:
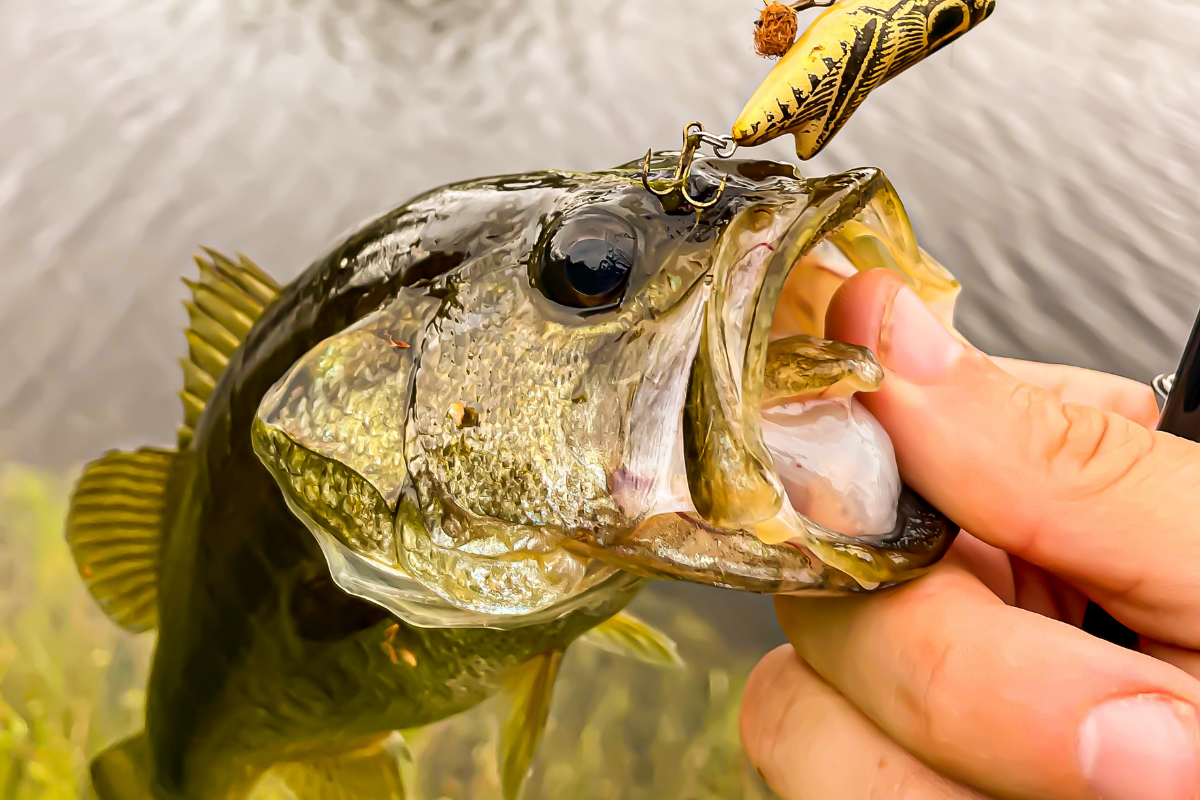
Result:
836,463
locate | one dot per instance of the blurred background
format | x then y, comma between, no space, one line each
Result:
1050,159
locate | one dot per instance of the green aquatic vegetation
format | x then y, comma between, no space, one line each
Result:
71,683
70,680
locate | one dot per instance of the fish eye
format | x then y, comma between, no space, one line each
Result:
588,261
948,23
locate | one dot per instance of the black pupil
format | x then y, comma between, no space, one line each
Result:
588,261
594,267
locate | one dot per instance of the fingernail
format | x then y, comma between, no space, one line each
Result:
1141,748
913,342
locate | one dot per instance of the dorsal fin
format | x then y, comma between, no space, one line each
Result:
226,301
115,522
114,529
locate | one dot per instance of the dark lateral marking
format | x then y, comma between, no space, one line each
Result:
431,267
946,21
943,26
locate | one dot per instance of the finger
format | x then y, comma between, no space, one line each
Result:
1132,400
1088,495
1019,583
1040,592
809,743
991,565
1002,700
1186,660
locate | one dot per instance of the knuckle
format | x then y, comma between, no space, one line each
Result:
916,782
1083,450
926,695
784,724
1079,433
899,776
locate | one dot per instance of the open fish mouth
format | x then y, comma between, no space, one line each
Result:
780,480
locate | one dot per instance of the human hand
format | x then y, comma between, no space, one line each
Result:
975,680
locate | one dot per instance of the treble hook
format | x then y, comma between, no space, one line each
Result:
694,135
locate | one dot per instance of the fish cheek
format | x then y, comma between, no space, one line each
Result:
495,384
595,425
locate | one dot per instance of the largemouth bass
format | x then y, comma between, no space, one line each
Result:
463,439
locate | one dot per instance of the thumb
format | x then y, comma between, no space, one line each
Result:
1088,495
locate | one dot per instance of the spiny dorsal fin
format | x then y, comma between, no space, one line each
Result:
627,635
529,691
226,301
114,528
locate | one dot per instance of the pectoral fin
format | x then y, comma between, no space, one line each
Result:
626,635
114,529
529,694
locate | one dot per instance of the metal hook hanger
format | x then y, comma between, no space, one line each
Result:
694,136
1163,385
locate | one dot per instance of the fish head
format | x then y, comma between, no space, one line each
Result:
591,385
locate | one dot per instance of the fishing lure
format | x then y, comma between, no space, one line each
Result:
846,53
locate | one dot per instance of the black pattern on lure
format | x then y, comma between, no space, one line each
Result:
415,475
847,52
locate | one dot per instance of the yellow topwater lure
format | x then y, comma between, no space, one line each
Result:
847,52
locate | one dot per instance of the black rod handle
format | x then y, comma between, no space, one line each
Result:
1181,411
1181,417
